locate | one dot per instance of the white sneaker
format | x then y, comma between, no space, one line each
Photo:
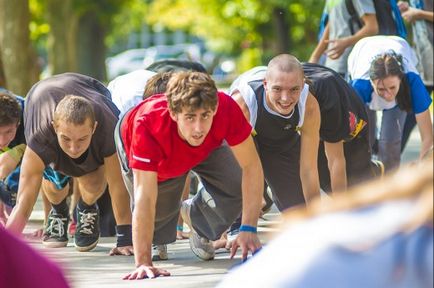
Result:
159,252
200,246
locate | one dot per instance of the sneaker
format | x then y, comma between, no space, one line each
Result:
7,196
72,227
159,252
87,229
377,168
200,246
55,232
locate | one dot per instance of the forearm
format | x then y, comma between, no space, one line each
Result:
320,48
252,189
338,175
120,203
310,184
425,15
143,231
426,145
21,213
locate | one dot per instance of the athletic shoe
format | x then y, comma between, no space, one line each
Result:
55,232
377,168
7,196
200,246
159,252
72,227
87,230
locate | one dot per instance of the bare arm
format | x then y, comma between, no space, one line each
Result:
309,150
240,101
32,168
338,46
413,14
321,47
252,181
425,129
118,191
145,201
252,190
337,165
7,165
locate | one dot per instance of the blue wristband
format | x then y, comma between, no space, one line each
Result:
180,228
248,228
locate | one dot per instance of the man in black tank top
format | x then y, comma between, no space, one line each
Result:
286,121
69,123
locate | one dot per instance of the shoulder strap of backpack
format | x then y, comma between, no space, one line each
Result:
354,18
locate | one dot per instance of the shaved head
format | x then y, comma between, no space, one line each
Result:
284,63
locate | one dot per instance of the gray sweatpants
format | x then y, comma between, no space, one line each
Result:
221,176
389,142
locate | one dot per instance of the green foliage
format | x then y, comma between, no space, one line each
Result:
241,26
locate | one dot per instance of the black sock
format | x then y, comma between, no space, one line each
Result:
61,208
83,206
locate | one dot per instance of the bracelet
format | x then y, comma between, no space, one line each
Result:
180,228
124,235
248,228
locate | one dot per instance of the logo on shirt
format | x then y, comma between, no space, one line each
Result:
141,159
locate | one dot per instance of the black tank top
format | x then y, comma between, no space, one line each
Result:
272,131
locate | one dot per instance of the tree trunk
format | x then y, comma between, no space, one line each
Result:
281,28
91,47
61,40
19,60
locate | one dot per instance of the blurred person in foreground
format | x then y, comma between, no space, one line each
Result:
378,235
18,258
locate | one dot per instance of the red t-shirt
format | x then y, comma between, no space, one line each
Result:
152,143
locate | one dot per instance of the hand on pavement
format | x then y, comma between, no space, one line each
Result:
247,241
125,250
144,271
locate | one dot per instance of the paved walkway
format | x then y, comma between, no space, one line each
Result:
97,269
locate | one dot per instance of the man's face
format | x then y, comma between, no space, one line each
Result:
387,88
74,139
283,91
193,126
7,134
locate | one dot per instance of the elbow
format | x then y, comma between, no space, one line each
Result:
373,29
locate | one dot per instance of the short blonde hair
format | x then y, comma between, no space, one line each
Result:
75,110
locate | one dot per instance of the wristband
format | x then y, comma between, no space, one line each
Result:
180,228
124,235
248,228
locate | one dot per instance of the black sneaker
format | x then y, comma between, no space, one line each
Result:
7,196
56,230
87,231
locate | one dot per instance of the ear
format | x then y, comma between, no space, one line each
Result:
216,108
173,115
94,126
54,126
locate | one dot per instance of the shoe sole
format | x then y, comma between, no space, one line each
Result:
86,248
158,258
55,244
198,252
187,221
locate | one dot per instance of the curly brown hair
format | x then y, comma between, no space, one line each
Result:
191,90
10,109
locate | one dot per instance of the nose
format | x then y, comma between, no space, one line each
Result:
74,148
198,126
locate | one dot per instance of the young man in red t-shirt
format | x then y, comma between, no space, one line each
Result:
191,127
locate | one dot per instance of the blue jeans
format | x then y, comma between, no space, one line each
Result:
390,135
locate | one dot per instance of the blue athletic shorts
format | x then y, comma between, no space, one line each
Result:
57,178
